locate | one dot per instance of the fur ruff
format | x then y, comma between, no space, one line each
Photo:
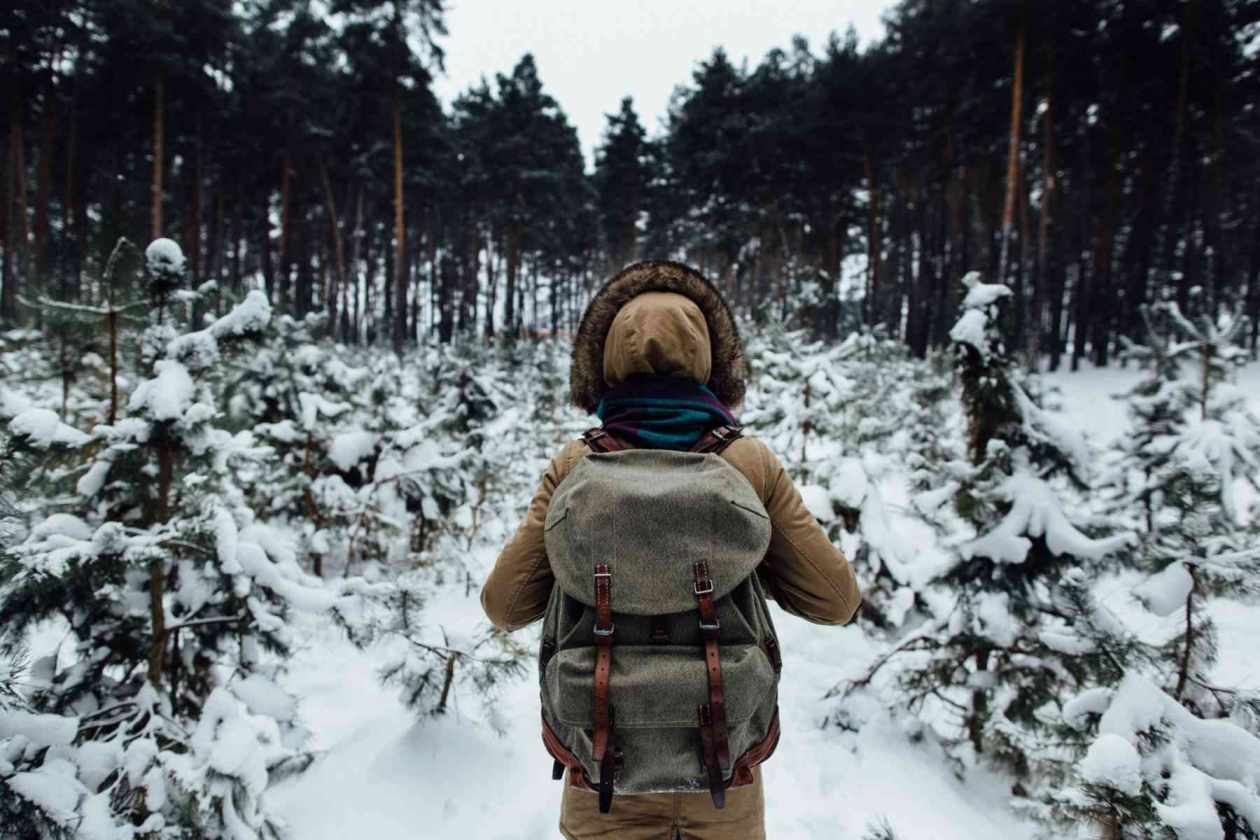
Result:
728,376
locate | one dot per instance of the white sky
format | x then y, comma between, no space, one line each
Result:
591,53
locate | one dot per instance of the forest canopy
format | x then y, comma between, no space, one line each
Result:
1095,155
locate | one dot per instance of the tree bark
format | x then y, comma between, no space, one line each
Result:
43,189
1012,152
874,246
159,130
400,232
1048,184
339,252
282,276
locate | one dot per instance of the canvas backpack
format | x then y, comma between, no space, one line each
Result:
659,664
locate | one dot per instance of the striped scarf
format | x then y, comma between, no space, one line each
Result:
661,412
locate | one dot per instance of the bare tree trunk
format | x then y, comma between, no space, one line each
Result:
874,246
513,235
1012,152
1048,182
400,232
43,189
159,130
339,252
282,277
69,203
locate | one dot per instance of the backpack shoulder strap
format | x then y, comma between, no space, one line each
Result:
598,440
717,439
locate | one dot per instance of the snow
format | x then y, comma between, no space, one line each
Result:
51,788
349,448
817,502
971,329
264,697
820,784
250,315
91,482
1113,761
1035,512
1165,592
164,256
849,483
42,429
982,295
167,396
38,730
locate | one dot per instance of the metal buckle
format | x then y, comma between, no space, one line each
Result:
603,574
604,633
710,628
721,433
707,583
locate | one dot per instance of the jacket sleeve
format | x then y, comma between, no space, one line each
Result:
803,570
516,592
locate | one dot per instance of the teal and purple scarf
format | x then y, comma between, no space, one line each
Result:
661,412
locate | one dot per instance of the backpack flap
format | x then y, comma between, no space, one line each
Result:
650,514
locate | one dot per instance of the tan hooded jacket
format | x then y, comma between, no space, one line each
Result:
667,333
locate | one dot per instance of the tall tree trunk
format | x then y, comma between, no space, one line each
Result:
1049,182
159,139
1253,278
72,249
400,232
873,244
282,275
1012,152
356,261
43,189
339,252
8,294
264,250
513,236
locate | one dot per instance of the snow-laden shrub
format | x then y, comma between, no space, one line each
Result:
1012,625
1154,769
174,596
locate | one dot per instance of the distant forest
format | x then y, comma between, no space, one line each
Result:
1095,156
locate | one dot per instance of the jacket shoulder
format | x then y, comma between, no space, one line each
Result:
750,455
568,456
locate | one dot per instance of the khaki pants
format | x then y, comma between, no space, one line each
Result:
665,816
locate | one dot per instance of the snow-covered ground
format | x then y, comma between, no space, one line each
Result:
484,774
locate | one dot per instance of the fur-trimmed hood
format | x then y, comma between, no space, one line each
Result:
687,331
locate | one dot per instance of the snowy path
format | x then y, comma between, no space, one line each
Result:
386,777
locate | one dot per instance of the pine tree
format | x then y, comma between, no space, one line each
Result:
1155,764
177,598
1015,627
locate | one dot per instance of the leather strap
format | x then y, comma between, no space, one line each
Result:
713,729
717,439
598,440
601,747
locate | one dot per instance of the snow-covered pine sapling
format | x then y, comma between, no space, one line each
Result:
1194,442
174,597
1016,629
1155,770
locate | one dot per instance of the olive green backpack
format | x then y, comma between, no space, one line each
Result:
659,664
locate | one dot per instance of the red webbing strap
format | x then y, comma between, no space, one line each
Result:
599,440
717,439
713,730
602,715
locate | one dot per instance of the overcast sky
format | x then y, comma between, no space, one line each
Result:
591,53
